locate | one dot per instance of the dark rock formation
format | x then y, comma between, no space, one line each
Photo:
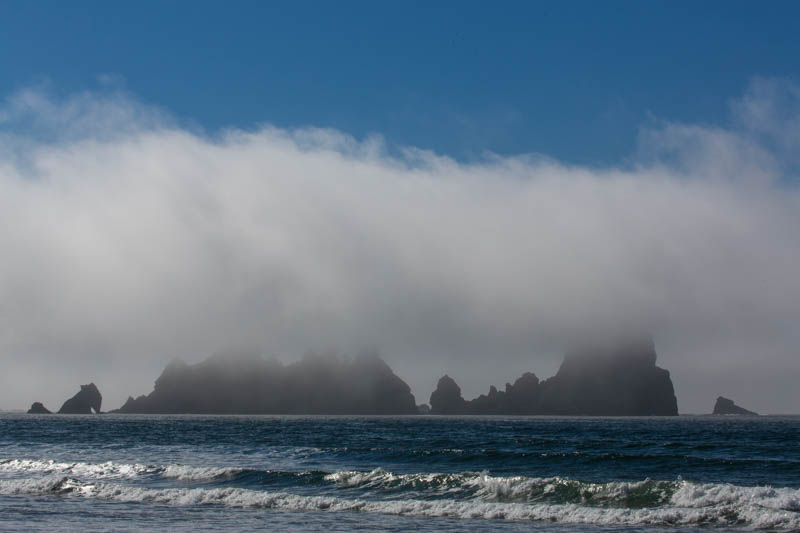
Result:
617,378
610,379
724,406
86,401
39,409
252,385
446,399
423,409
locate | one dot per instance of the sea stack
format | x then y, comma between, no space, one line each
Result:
446,399
725,406
85,402
38,408
249,384
618,378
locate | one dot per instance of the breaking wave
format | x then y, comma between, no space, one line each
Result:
195,473
112,470
690,505
516,488
461,495
96,470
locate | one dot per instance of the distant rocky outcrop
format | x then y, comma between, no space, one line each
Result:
618,378
37,408
253,385
85,402
446,399
724,406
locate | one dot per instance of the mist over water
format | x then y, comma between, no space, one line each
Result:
129,239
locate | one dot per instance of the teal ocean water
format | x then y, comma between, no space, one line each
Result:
305,473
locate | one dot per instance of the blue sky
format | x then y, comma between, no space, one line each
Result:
574,81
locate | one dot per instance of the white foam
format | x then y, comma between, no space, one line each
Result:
725,494
108,469
379,478
692,505
198,473
113,470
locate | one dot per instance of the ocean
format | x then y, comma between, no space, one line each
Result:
427,473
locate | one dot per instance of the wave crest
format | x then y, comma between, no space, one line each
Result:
108,469
738,506
463,495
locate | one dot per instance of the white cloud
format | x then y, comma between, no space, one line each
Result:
127,240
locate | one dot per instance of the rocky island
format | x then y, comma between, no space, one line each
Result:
252,385
617,378
85,402
38,408
725,406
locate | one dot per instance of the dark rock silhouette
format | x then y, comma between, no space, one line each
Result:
252,385
523,393
423,409
84,402
724,406
446,399
39,409
608,379
618,378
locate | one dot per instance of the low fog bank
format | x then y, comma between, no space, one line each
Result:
128,240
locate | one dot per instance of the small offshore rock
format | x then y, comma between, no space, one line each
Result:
725,406
37,408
